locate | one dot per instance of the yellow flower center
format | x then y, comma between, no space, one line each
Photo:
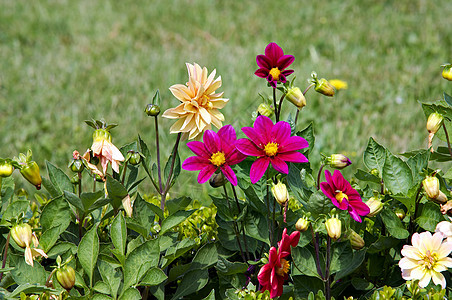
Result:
218,158
285,266
340,196
275,72
271,149
430,260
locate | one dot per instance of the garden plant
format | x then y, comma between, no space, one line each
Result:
279,226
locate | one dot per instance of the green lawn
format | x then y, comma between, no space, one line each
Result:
62,62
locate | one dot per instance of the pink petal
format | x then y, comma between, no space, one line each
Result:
210,141
361,208
234,157
206,173
262,73
195,163
273,52
354,215
327,190
263,62
286,73
253,136
199,149
227,133
249,148
280,132
279,165
294,156
293,143
339,181
263,127
285,61
229,174
258,169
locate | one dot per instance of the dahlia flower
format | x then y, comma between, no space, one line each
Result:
217,152
200,103
106,152
272,65
446,229
426,259
271,143
343,195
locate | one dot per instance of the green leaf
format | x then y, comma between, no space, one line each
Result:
298,185
443,108
110,275
365,176
447,98
74,200
49,238
176,204
116,191
88,199
88,250
430,216
176,251
319,204
382,243
118,232
59,179
211,296
397,175
29,288
102,287
175,219
225,267
24,273
154,276
256,226
143,213
418,163
60,248
304,262
176,168
374,156
137,227
303,285
101,297
344,260
393,224
56,213
130,294
308,135
15,209
192,282
206,256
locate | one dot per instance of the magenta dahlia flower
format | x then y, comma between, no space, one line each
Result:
272,65
271,143
217,152
343,195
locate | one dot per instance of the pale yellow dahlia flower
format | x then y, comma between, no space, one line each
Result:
426,259
106,152
200,103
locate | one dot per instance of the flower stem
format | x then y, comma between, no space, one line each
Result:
280,104
447,138
79,184
275,105
124,170
168,180
243,225
268,209
5,254
315,241
235,227
307,89
157,147
318,176
416,204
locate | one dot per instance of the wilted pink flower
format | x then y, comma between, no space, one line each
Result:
217,152
271,144
104,149
272,65
343,195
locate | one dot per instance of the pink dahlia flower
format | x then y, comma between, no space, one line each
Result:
273,274
272,65
217,152
271,143
343,195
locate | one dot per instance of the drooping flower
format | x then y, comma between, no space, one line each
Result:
445,228
343,195
200,103
271,143
273,274
426,259
23,236
218,151
272,65
106,152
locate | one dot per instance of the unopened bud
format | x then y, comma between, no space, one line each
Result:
434,122
302,224
265,110
338,161
217,180
431,186
280,193
400,213
66,277
295,95
6,169
440,199
22,234
30,171
447,72
76,165
333,228
322,86
356,240
152,110
134,158
375,206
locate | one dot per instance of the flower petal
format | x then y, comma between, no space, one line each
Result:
199,149
263,62
247,147
206,173
211,141
285,61
273,52
258,169
195,163
229,174
293,143
293,156
279,165
263,127
280,132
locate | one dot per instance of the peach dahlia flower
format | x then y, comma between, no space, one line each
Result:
200,103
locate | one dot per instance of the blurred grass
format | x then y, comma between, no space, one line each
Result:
66,61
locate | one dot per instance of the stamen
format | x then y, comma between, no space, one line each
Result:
271,149
217,159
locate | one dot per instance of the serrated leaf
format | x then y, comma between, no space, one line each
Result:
176,168
418,163
304,262
393,224
74,200
59,179
430,216
118,233
102,287
308,134
175,220
24,273
154,276
256,226
116,191
131,294
447,98
49,238
15,209
56,213
111,276
88,250
206,256
344,260
397,176
28,288
374,156
225,267
365,176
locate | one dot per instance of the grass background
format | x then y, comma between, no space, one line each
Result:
62,62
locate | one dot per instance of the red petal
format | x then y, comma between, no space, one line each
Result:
285,61
263,127
229,174
253,136
262,73
195,163
199,149
263,62
206,173
210,141
248,147
293,143
293,156
281,132
279,165
258,169
273,52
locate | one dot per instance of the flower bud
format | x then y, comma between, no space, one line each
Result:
134,158
152,110
322,86
295,95
356,240
30,171
447,72
22,234
75,179
280,193
440,199
66,277
333,227
265,110
6,169
375,206
338,161
431,186
101,134
217,180
76,165
400,213
302,224
434,122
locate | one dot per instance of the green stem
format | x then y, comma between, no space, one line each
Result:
447,138
280,104
79,184
307,89
416,205
243,225
275,105
157,146
327,269
235,227
296,118
315,241
268,210
318,176
124,170
168,180
5,254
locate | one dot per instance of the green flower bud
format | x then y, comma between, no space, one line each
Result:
280,193
333,228
75,179
66,277
375,206
30,171
152,110
135,158
400,213
338,161
76,165
447,72
295,95
434,122
431,186
356,240
6,169
440,199
265,110
22,234
217,180
322,86
302,224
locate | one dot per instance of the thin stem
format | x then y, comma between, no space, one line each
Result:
280,104
307,89
447,138
318,176
157,146
168,180
146,292
124,170
235,227
5,254
94,184
268,210
296,117
315,241
48,284
275,105
79,184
